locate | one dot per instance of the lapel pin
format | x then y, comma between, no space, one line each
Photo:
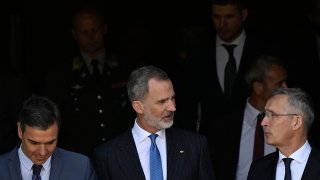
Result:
181,151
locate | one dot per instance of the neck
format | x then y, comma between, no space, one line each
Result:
293,146
257,102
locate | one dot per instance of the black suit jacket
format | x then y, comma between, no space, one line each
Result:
227,150
265,168
199,84
118,159
92,112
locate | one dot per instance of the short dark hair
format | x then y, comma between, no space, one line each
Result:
240,3
137,85
39,112
92,9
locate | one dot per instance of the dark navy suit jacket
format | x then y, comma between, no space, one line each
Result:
265,168
187,158
65,165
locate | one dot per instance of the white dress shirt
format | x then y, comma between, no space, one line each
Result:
26,167
300,158
222,55
143,143
247,142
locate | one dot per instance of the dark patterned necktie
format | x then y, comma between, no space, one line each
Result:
287,162
230,70
95,71
258,150
155,160
36,172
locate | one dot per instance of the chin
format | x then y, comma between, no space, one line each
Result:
167,125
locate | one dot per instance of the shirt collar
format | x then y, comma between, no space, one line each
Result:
142,134
27,163
100,57
251,113
300,155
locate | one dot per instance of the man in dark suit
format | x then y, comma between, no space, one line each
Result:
201,95
288,118
201,91
90,90
38,126
183,154
237,150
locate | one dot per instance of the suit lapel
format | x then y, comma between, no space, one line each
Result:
312,169
14,164
56,165
128,157
272,168
175,154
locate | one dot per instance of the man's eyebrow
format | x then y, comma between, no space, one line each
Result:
36,142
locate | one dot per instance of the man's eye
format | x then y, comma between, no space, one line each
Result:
51,142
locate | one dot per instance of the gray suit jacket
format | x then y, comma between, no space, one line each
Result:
65,165
187,158
265,168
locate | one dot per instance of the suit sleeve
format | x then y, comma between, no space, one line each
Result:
91,174
251,172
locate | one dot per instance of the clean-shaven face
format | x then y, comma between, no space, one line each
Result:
38,145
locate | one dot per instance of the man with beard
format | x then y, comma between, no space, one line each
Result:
183,154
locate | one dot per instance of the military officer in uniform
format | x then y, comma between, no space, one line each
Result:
91,89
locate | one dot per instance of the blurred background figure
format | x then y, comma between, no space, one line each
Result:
204,91
90,89
243,138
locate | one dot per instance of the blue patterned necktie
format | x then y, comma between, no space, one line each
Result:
287,162
155,160
36,172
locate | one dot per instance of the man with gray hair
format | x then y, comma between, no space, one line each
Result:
287,120
244,141
152,149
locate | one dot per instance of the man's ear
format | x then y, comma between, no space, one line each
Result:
297,122
19,130
244,14
138,106
257,87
